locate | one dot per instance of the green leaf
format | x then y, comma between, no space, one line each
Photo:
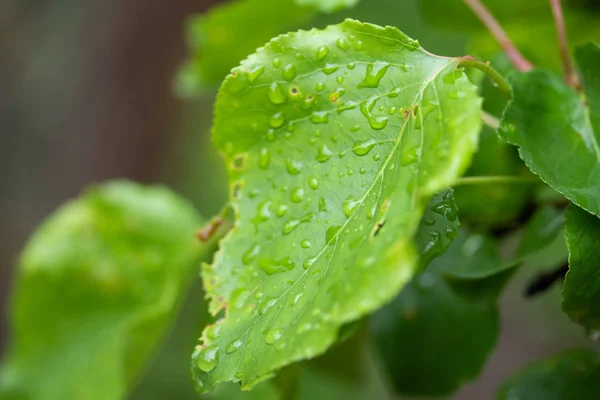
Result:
420,336
328,6
97,287
222,37
484,278
544,226
581,288
570,375
557,130
335,140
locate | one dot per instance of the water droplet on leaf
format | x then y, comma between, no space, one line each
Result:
276,94
375,72
322,52
319,117
277,120
273,335
264,158
233,346
323,154
293,167
289,72
364,147
251,254
208,358
255,72
330,68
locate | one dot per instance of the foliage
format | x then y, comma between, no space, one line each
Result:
581,288
555,129
332,150
570,375
352,153
97,288
430,305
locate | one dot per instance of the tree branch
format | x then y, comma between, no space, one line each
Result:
489,120
515,56
570,74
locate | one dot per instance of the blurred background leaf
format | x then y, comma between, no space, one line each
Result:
98,285
570,375
230,32
420,336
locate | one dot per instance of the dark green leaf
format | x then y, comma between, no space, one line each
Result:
483,278
557,131
545,225
581,289
570,375
335,140
97,287
421,335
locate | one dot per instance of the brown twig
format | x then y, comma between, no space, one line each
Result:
515,56
207,232
559,20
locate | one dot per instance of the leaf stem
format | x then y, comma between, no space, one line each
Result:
484,15
495,76
478,180
559,20
489,120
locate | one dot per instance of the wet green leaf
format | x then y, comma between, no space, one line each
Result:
570,375
420,336
335,141
98,285
438,228
557,130
581,289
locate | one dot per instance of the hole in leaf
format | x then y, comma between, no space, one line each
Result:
236,190
377,228
239,162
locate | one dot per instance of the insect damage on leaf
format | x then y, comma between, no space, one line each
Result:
327,134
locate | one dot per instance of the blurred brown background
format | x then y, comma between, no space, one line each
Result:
85,95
